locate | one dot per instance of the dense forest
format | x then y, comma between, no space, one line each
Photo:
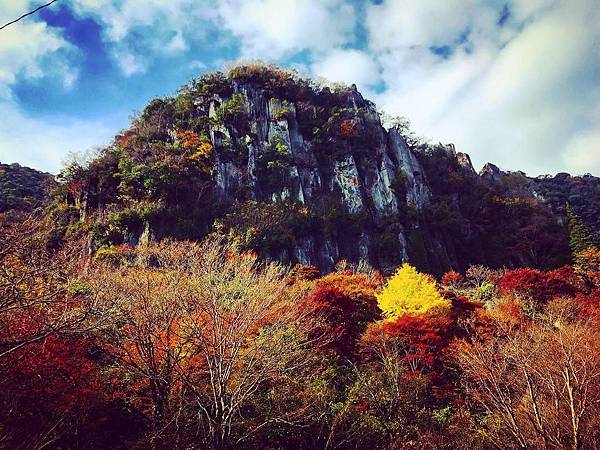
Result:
259,263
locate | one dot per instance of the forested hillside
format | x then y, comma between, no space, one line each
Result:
258,263
302,173
22,188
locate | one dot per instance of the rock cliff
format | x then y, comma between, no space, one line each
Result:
307,174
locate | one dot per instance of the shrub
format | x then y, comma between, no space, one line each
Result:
304,272
588,260
108,255
233,111
452,279
273,164
347,309
419,336
284,112
267,227
538,285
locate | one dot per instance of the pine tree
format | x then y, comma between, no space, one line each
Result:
580,237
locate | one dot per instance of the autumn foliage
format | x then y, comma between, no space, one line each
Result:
421,338
541,286
452,278
348,304
182,345
408,291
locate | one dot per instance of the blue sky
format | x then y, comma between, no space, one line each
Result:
515,82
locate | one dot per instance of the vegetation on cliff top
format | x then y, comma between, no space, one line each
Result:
159,177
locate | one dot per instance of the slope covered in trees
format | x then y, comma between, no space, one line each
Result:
303,173
22,188
201,345
257,263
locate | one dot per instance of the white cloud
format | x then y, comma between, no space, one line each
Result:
130,64
12,9
70,79
121,17
177,44
23,49
143,30
271,29
582,153
524,95
348,66
515,95
197,65
423,23
42,145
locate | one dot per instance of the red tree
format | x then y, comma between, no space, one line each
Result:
347,304
538,285
419,337
452,279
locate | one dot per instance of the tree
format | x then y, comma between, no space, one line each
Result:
35,301
347,303
143,339
478,275
453,279
210,332
402,126
531,400
538,285
588,260
47,372
409,291
55,386
581,238
417,340
248,331
389,402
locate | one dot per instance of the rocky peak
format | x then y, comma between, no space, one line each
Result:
370,171
491,172
465,161
303,173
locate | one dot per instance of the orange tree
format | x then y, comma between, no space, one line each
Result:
207,332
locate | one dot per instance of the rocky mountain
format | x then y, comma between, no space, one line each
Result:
308,174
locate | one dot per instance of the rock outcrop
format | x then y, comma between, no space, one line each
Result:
307,174
373,179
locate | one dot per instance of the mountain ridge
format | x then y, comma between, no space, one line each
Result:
307,174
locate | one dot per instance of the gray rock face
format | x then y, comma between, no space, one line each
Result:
364,178
465,161
490,172
346,179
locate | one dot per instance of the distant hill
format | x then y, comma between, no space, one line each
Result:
22,188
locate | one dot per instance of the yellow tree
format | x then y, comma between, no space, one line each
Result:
409,291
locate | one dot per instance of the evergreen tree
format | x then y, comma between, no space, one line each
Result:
580,237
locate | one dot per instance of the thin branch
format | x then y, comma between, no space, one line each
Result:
27,14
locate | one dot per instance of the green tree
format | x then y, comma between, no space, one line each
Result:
580,236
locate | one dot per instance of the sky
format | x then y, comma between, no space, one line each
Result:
513,82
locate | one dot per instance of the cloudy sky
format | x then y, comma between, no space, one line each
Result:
515,82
